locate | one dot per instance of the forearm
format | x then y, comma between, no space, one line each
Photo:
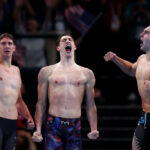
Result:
124,65
39,115
17,15
23,110
92,117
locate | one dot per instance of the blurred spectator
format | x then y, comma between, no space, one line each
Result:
27,24
18,57
84,12
6,9
22,11
82,15
55,15
99,99
54,18
33,45
79,19
117,14
112,24
137,18
68,3
24,141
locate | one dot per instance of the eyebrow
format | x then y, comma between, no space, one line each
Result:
7,42
66,39
146,31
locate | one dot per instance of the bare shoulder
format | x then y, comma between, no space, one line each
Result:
15,68
46,71
141,57
87,72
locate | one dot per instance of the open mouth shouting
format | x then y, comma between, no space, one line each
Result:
68,49
141,43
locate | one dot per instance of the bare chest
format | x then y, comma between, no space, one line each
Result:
143,70
68,78
9,79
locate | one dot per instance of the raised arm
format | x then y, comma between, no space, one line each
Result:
126,66
41,104
90,106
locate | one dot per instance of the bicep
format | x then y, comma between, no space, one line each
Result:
42,87
90,88
134,67
42,90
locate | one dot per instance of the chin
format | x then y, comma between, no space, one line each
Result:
7,55
68,54
143,48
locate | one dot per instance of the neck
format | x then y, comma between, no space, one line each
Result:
5,61
68,62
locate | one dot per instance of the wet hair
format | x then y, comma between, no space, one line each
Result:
7,35
58,40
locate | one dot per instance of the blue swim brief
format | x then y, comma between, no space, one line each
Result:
63,134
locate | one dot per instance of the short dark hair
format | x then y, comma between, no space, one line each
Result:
58,40
7,35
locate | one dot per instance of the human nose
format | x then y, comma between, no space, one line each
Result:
6,46
141,35
67,41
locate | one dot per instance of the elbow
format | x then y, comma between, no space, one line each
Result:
132,75
130,72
